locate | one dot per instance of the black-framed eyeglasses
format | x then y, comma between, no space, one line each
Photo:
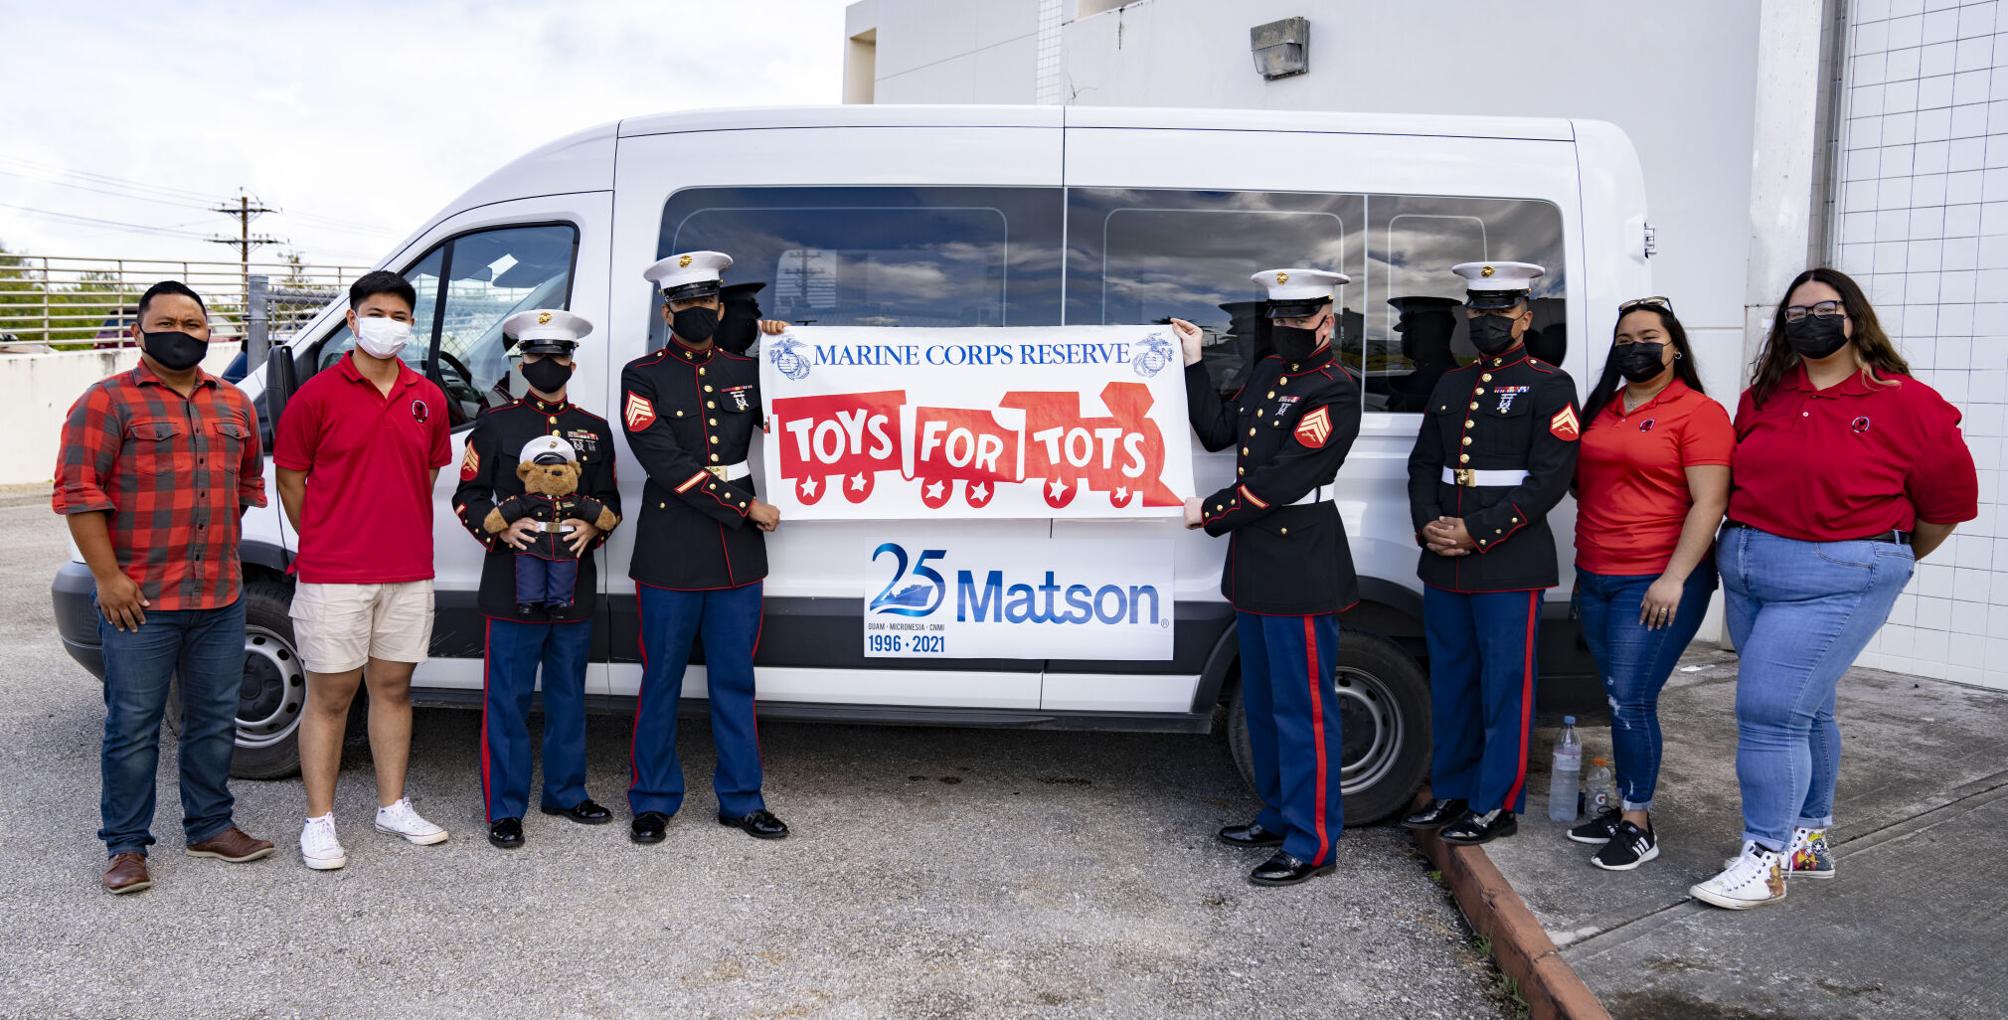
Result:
1655,301
1818,310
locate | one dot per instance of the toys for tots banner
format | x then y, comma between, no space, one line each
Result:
1048,421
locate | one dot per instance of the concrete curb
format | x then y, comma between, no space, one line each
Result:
1520,945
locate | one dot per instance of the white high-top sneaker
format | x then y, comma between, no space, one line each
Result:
1754,878
320,848
1809,856
400,820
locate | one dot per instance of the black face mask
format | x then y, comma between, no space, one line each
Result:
176,351
1816,336
1492,334
694,325
546,375
1293,343
1638,362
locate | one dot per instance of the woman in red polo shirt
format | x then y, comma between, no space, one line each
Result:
1847,472
1652,479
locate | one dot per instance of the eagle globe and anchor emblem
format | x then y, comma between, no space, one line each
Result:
1156,354
787,358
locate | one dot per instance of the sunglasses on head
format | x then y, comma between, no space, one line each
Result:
1656,301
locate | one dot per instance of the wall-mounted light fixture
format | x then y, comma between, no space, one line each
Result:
1282,48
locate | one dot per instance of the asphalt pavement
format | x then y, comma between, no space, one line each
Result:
932,873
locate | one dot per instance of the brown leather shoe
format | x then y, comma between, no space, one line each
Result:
126,873
231,845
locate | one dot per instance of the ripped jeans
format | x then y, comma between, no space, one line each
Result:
1635,663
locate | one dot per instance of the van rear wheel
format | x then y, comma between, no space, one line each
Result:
274,691
1384,727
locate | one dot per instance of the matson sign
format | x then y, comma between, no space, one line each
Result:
871,423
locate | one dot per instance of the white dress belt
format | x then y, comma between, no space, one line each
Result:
730,472
1475,477
1318,494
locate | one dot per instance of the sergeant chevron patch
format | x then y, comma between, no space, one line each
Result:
1563,425
470,464
637,412
1314,428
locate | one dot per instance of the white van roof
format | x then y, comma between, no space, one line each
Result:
874,115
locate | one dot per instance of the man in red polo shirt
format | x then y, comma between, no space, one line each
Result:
358,449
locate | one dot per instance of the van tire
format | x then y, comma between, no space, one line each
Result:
268,746
1379,685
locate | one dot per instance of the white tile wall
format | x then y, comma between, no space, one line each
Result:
1922,201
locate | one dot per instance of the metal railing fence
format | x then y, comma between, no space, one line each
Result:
77,302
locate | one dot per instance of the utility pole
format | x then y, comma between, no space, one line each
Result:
242,211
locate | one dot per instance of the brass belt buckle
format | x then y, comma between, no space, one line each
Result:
717,472
1467,477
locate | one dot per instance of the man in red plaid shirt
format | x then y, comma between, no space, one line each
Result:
157,465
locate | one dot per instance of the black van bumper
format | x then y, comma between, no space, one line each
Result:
75,595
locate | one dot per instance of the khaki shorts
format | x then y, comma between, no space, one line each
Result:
339,627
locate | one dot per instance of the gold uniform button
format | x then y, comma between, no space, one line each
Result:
1251,430
554,421
679,414
707,387
1474,405
1468,423
710,403
1516,520
1272,394
1217,507
1240,471
700,371
1244,451
1285,381
1293,366
1467,440
1479,392
1497,531
714,456
1464,458
1487,377
713,421
1282,531
1259,410
662,506
714,440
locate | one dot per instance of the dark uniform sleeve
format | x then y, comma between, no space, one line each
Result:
1425,469
1551,466
1212,417
601,483
1295,471
513,509
669,465
475,496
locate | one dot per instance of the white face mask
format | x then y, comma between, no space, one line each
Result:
382,337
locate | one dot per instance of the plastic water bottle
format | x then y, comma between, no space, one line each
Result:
1563,803
1600,789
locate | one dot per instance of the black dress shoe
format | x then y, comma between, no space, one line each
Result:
1250,836
1436,815
1472,830
1284,869
506,833
758,824
647,827
584,812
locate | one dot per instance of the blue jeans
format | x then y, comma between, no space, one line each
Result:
205,647
1799,613
1634,664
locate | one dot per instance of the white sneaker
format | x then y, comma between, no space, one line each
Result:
1754,878
400,820
1809,856
320,848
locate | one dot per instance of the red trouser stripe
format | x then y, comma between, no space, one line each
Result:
487,657
641,642
1317,734
1526,700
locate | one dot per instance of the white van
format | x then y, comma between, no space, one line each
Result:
979,216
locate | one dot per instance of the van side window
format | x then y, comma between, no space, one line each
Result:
871,256
1143,255
1415,327
457,339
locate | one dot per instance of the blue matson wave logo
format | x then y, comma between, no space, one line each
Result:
996,599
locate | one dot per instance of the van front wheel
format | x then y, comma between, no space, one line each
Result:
1384,727
274,691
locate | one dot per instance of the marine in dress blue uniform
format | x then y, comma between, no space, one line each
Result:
691,411
1496,452
520,638
1289,571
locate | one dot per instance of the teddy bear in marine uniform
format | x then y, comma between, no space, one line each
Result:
547,570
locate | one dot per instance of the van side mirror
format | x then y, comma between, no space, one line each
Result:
280,381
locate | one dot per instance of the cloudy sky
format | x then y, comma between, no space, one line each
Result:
124,122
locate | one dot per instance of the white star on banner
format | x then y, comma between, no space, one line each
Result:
1058,488
808,486
934,491
858,482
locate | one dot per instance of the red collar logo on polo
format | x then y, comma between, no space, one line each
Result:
1860,425
420,411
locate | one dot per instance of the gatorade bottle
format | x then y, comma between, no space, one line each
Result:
1600,790
1563,783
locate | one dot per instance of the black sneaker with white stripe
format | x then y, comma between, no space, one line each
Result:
1630,846
1599,830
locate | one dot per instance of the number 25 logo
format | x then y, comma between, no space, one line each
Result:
917,599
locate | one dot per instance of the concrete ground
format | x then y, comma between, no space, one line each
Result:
1910,925
933,873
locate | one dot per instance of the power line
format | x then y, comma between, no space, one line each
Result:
121,187
107,179
94,221
105,191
